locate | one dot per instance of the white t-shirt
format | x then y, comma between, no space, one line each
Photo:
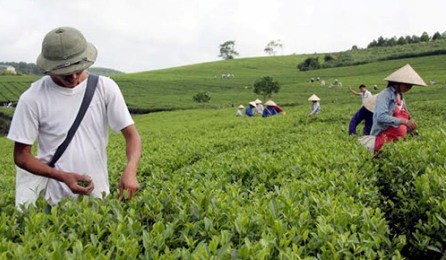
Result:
365,95
46,112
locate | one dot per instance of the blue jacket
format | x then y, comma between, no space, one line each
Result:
250,111
269,111
383,115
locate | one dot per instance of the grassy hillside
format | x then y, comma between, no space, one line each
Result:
174,88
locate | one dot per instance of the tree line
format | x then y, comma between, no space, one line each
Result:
228,51
24,68
402,40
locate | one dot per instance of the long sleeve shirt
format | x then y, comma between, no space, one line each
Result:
269,111
383,115
315,108
250,111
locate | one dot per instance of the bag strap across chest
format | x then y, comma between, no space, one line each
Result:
92,81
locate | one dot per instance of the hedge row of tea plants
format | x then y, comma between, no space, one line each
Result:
217,186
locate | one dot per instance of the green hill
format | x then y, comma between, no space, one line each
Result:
103,71
174,88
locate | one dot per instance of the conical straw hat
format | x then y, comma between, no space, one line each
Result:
314,98
406,75
270,103
252,103
241,106
258,101
369,103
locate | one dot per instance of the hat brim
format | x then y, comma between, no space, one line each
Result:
369,103
270,103
75,64
406,75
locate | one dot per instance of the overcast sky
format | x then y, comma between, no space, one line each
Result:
142,35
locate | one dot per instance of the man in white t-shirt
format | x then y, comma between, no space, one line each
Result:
363,114
46,111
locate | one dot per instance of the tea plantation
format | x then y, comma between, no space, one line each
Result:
215,186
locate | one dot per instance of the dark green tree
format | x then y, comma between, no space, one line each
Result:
416,39
202,97
425,37
227,50
436,36
401,41
266,86
309,64
328,58
381,41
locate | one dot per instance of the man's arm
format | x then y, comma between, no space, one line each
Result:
354,92
133,151
24,159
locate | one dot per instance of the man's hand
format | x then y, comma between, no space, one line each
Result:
78,184
25,160
130,183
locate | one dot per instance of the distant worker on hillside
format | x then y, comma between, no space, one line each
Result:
259,107
363,114
250,109
239,111
391,120
45,112
315,105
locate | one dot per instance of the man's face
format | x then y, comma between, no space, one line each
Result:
363,89
69,81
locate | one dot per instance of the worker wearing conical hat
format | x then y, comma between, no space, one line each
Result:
259,107
391,119
239,111
315,105
250,109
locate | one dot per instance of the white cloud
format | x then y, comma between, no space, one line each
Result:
139,35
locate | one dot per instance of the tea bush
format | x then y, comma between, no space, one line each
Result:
217,186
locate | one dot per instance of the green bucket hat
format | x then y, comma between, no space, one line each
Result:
65,51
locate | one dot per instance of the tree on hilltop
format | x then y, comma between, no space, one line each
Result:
266,86
436,36
425,37
271,47
227,50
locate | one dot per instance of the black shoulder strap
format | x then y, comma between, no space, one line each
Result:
92,81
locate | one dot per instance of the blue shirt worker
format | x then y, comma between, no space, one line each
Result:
392,120
270,109
250,109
